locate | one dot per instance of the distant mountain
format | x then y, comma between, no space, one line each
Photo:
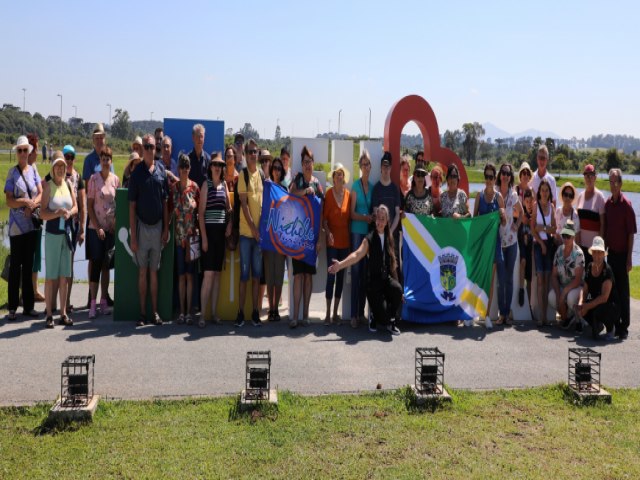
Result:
493,132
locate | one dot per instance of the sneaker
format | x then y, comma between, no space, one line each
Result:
393,329
92,310
239,319
293,324
610,336
306,322
156,319
188,319
104,307
372,326
468,323
180,319
521,297
487,323
255,319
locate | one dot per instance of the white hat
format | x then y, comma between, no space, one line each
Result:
597,246
23,141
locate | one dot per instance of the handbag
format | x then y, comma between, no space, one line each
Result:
35,214
193,250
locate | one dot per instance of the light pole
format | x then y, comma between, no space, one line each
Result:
75,111
24,99
369,122
109,105
60,95
339,114
152,116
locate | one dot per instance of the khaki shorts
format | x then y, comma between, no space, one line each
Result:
149,246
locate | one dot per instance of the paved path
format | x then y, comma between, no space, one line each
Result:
176,360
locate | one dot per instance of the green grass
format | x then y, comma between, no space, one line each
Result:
533,433
634,282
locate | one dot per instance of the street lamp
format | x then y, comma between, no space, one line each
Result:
75,113
109,105
24,99
152,116
369,122
339,114
60,95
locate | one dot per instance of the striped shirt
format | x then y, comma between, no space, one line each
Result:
216,209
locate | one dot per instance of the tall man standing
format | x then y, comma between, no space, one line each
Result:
169,163
149,223
159,136
543,174
250,193
620,227
198,157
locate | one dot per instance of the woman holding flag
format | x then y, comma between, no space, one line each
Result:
384,292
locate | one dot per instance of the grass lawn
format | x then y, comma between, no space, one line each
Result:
634,282
533,433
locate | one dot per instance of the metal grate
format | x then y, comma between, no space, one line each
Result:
429,371
76,380
258,375
584,370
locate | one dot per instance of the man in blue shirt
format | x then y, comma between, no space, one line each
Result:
92,161
198,157
149,223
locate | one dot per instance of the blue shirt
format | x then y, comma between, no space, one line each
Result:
149,190
92,165
19,223
198,172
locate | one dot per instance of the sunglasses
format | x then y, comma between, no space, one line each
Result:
148,146
489,177
420,174
22,150
525,173
566,237
185,167
567,194
69,157
590,175
505,172
253,151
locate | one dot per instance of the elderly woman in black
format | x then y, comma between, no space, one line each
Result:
599,304
384,292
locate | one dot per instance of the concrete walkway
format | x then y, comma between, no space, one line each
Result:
178,360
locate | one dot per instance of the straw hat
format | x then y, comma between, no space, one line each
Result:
570,186
98,130
340,168
23,141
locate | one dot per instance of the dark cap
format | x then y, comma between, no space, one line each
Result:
386,158
238,136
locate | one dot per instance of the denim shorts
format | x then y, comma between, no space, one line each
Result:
250,258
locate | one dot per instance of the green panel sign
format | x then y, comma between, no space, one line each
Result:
127,303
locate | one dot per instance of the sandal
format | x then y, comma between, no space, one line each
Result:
188,320
156,319
11,316
66,321
180,319
49,323
201,323
141,321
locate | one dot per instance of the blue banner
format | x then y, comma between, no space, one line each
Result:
289,224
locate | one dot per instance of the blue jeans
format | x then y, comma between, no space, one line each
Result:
338,254
505,267
250,258
358,275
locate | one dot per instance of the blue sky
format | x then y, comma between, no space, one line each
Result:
567,67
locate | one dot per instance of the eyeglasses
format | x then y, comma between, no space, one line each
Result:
567,194
253,151
307,161
148,146
266,160
22,150
489,177
69,157
566,237
420,174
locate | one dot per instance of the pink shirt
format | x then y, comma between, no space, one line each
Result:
103,194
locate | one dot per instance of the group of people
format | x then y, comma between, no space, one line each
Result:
216,201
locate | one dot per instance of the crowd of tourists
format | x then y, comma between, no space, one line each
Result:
578,247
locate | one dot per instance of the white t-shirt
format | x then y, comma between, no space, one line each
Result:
536,180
